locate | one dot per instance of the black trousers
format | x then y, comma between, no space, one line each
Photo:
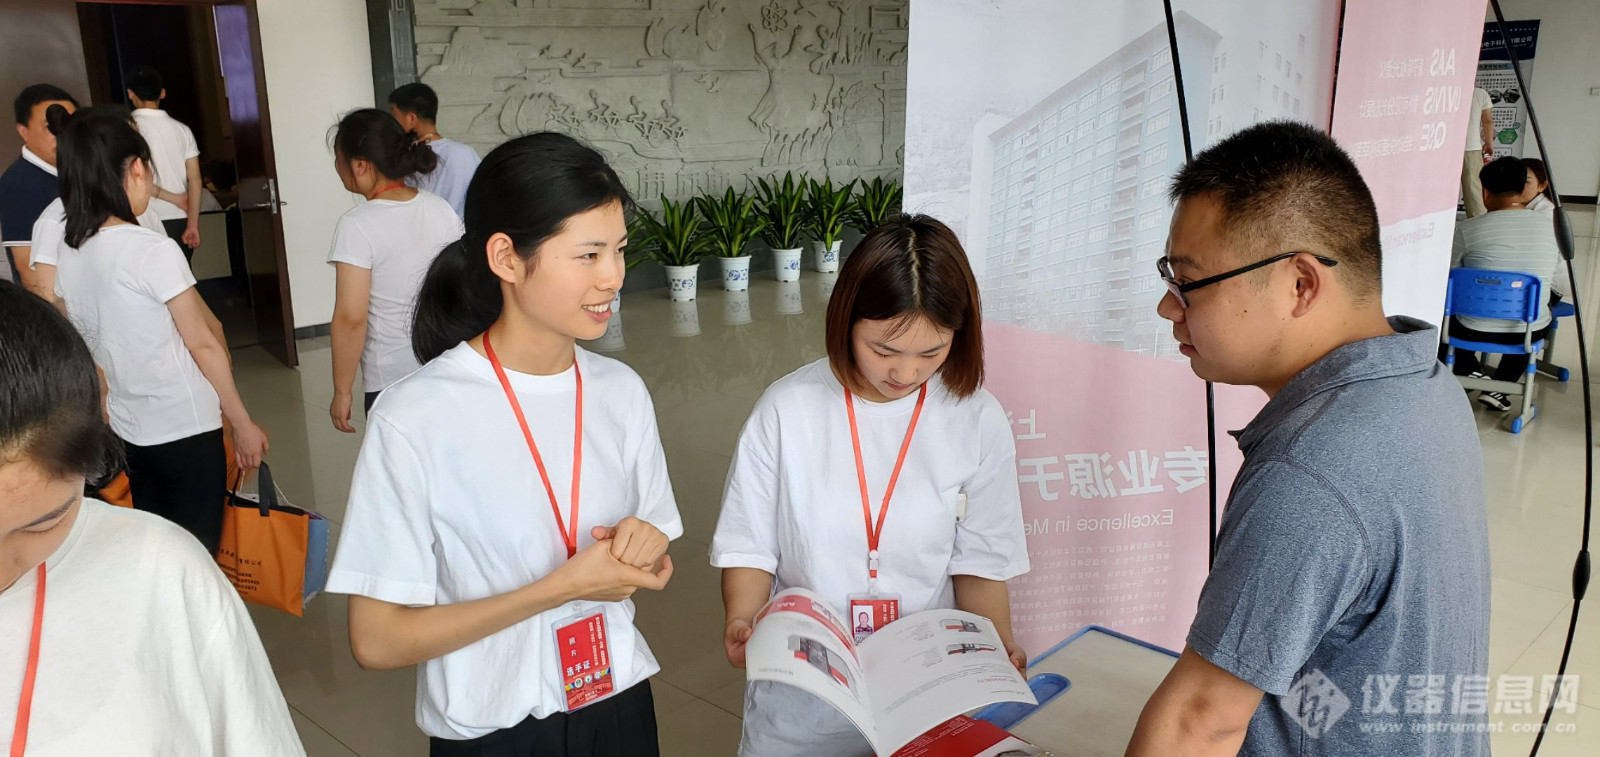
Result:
622,726
371,397
175,228
183,481
1511,367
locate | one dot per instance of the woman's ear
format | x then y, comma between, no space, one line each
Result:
504,262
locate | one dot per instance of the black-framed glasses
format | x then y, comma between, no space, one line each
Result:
1181,291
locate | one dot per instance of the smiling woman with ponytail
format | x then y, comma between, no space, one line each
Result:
515,485
381,249
131,294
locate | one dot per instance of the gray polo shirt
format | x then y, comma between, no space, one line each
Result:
1352,574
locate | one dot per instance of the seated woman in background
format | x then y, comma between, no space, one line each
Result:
127,637
1538,195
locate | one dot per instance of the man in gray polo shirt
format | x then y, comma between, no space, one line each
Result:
1348,609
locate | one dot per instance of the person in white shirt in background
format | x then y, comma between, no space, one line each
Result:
1479,150
118,634
50,231
904,373
514,488
381,250
176,157
416,107
132,296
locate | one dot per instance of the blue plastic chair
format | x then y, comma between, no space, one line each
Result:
1557,312
1501,295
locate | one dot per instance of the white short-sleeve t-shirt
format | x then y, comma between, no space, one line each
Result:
457,164
397,241
1480,103
171,146
145,649
446,506
116,287
792,504
50,232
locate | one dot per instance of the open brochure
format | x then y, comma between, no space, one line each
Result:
962,736
910,676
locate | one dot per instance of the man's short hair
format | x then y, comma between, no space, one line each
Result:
34,94
1504,176
417,99
145,83
1284,183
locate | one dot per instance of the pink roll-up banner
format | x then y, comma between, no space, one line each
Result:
1046,134
1403,112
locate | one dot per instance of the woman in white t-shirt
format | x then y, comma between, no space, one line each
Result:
381,249
50,229
882,477
512,494
118,635
131,294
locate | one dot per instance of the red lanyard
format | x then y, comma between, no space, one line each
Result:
873,532
19,736
396,185
569,534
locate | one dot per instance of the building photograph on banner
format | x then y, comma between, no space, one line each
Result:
1046,134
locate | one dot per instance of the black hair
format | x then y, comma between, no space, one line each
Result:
1504,176
95,146
1283,182
416,98
526,188
1542,175
33,94
50,393
374,136
145,83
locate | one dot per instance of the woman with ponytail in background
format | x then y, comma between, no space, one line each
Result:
381,249
131,295
512,494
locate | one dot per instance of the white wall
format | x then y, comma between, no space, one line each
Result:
1567,65
318,67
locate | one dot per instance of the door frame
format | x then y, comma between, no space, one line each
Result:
287,351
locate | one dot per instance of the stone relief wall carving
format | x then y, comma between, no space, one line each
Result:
685,96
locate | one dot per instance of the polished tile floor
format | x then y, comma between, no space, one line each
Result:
706,363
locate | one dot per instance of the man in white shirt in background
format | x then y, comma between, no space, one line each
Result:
416,106
175,153
1480,149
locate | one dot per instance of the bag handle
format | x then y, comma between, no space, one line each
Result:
267,494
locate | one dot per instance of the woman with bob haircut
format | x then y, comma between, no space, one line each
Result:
882,477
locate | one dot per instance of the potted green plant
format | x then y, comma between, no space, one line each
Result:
678,241
827,206
877,200
783,205
734,222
